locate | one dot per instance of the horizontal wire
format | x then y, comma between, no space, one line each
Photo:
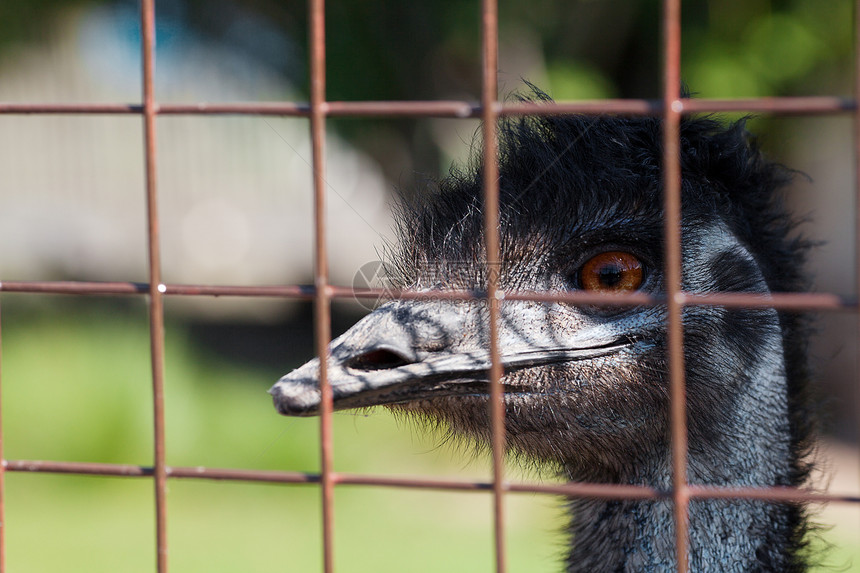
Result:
808,105
780,301
570,489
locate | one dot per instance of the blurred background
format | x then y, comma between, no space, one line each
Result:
235,208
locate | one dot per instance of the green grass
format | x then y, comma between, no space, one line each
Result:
76,386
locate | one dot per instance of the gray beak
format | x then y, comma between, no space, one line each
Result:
410,350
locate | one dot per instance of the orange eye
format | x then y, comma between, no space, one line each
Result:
612,271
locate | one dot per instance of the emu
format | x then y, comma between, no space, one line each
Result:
586,388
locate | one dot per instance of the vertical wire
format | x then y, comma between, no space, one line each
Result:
672,233
489,115
156,309
856,118
2,472
322,302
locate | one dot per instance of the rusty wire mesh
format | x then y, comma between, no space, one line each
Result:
671,108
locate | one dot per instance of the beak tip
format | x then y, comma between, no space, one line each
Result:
295,399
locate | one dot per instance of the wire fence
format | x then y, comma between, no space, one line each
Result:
671,108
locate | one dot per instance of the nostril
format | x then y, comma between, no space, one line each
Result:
380,359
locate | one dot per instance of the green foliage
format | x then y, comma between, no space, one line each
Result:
578,81
790,47
31,20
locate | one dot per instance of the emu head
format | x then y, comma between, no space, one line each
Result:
581,209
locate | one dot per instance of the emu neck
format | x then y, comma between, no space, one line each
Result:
751,448
639,537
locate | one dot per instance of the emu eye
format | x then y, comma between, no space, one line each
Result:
612,271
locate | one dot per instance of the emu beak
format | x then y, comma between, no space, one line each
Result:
407,350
